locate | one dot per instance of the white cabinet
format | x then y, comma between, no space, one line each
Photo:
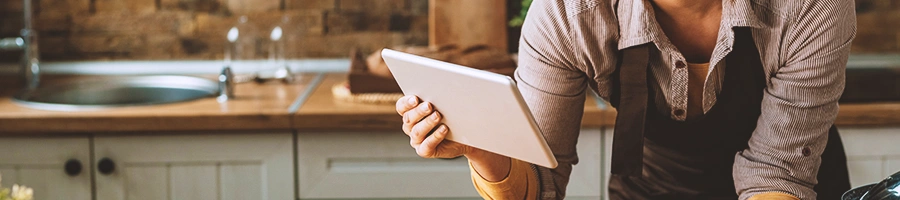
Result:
383,165
586,180
39,163
872,153
374,165
209,167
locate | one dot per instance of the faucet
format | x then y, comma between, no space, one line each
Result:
28,42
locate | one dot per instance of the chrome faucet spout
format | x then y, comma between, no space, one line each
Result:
31,58
12,43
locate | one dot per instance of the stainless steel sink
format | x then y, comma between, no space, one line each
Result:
112,92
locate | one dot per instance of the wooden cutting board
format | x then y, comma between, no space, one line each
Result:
467,22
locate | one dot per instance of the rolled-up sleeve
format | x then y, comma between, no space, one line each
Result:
552,86
800,103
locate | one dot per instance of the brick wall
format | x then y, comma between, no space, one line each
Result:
878,26
196,29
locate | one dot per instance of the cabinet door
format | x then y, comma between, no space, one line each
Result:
209,167
383,165
872,153
40,163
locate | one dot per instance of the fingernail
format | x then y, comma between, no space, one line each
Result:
413,101
442,129
427,107
434,116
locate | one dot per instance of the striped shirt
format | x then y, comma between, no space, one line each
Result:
570,45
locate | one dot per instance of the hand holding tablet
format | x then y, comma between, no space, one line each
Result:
478,109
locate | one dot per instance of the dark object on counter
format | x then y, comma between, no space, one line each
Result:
872,84
362,80
887,189
371,75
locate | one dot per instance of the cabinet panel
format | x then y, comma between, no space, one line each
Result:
246,166
39,163
864,169
872,153
383,165
374,165
586,179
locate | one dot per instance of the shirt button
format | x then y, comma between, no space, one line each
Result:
806,151
679,64
678,112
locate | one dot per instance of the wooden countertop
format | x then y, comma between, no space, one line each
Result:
268,107
256,107
322,112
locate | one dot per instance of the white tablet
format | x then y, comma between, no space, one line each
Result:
482,109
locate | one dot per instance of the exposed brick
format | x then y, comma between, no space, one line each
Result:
418,7
125,6
11,6
159,47
218,24
124,23
202,6
373,6
352,21
51,8
309,4
45,23
400,22
11,26
246,6
896,48
311,22
340,45
195,29
53,45
110,43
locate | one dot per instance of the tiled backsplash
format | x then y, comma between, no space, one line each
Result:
195,29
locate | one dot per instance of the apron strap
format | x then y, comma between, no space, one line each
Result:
628,138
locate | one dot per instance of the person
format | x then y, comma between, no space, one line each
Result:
716,99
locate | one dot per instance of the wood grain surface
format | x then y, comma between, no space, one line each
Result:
266,107
256,107
467,22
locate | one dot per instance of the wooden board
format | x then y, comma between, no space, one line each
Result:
467,22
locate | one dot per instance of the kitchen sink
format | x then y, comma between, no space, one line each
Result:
114,92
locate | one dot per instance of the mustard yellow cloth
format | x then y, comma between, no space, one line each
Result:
522,183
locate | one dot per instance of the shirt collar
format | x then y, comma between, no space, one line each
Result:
637,21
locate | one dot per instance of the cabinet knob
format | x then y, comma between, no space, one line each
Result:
106,166
73,167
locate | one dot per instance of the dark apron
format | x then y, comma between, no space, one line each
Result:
655,157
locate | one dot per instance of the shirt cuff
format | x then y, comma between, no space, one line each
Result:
773,196
521,183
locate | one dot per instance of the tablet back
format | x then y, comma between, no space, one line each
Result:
481,108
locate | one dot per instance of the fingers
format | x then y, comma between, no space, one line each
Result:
420,130
407,102
413,116
428,148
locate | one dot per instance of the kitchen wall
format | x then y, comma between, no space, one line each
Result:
195,29
878,26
